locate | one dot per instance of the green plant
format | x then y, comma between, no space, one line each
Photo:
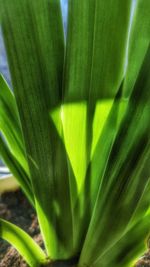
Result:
77,137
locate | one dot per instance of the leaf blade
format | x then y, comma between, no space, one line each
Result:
10,124
26,246
36,72
133,153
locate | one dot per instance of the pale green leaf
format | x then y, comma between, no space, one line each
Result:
25,245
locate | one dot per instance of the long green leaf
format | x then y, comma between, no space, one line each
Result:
10,124
17,170
102,150
25,245
87,75
33,29
123,181
139,40
87,72
129,248
98,161
12,147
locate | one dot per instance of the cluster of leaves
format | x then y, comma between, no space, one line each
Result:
75,131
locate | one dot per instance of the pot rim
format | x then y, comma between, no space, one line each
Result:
8,183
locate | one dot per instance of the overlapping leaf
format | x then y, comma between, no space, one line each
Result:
139,40
33,29
126,174
31,252
10,124
17,170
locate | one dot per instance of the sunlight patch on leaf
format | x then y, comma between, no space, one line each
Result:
101,113
73,118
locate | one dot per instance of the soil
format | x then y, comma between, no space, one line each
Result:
144,261
15,208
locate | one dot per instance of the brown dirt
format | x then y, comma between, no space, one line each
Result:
144,261
15,208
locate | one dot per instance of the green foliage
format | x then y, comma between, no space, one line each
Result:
76,130
27,246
